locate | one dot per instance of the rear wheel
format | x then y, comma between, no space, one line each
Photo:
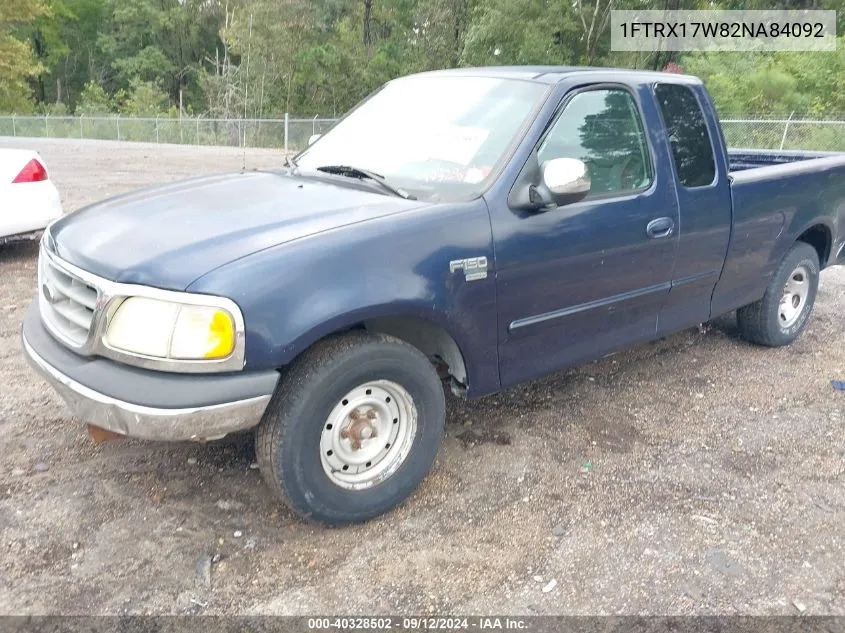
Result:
352,429
782,314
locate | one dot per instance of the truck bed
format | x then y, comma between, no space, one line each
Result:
743,159
776,195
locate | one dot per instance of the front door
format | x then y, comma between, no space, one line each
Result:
584,279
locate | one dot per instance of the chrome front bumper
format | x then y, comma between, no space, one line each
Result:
196,423
191,412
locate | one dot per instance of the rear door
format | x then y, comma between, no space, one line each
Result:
705,202
580,280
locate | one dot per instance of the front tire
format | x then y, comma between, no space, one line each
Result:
354,426
782,314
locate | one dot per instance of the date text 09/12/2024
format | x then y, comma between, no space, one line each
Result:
410,623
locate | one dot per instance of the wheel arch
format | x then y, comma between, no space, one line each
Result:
425,332
820,237
431,339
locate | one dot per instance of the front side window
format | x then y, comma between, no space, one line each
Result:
603,129
688,135
437,137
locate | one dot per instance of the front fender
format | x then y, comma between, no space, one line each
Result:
294,294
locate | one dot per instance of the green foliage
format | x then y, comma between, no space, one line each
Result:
17,62
774,83
144,99
53,109
492,38
94,100
261,58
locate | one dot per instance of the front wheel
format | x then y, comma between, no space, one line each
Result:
352,429
782,314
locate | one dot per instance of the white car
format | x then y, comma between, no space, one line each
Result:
29,200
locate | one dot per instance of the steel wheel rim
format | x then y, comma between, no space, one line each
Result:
794,299
368,434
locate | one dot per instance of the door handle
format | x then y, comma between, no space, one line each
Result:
661,227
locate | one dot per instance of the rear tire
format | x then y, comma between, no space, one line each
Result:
353,427
784,311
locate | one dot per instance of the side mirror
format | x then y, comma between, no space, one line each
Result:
566,179
546,186
313,138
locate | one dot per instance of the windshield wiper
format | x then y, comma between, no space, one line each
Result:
359,173
289,161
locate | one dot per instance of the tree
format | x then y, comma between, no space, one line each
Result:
274,32
160,41
47,44
543,32
258,58
72,58
17,62
775,83
595,19
93,100
144,99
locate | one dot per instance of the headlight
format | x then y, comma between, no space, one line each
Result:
164,329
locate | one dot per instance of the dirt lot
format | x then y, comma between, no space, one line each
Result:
697,474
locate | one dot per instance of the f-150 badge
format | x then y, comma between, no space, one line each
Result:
474,267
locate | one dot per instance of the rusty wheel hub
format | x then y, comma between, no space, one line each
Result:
360,427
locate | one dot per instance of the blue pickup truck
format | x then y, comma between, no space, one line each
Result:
468,229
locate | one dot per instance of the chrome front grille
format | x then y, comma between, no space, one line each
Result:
67,302
76,306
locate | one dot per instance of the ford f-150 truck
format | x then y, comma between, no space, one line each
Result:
469,228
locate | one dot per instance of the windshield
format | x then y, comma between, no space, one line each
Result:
438,137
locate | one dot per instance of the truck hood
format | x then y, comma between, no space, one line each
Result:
169,236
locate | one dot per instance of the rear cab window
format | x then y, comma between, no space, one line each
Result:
689,138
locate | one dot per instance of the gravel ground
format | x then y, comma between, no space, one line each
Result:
694,475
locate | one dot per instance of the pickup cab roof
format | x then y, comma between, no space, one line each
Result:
555,74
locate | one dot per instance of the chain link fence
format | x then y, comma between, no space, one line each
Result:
287,133
293,133
807,134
